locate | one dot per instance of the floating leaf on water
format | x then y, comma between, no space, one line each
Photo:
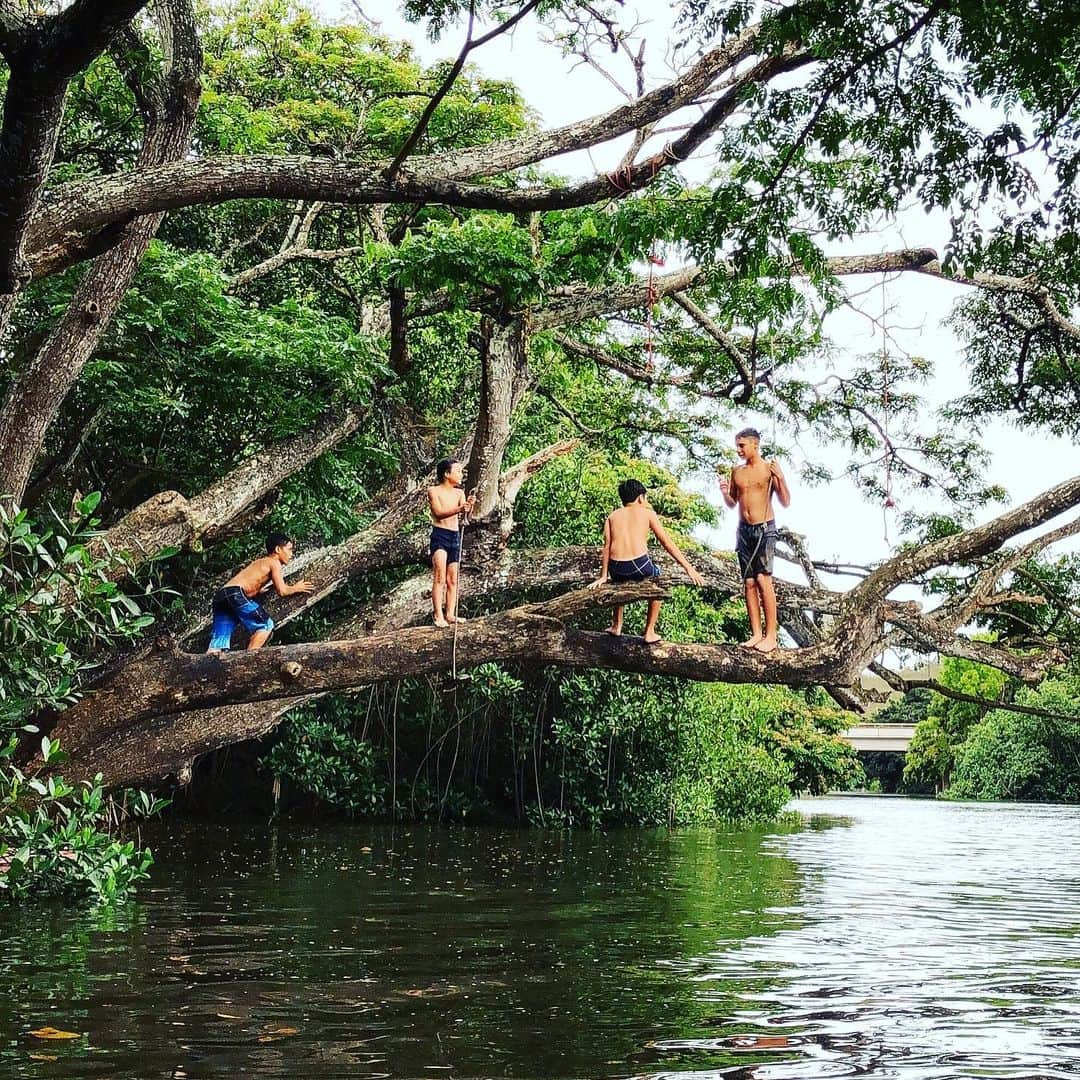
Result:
55,1033
273,1034
44,1057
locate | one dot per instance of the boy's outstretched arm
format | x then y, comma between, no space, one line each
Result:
780,484
605,557
672,548
278,579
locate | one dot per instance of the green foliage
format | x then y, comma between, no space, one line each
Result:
1009,755
486,252
57,840
566,502
912,708
319,754
58,606
931,755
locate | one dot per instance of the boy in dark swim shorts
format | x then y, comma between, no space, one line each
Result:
235,601
751,488
626,533
447,503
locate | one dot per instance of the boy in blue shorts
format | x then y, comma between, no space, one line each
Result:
447,502
235,601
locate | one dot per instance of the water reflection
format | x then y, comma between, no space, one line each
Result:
875,937
936,941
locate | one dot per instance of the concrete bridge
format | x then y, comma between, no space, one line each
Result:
880,736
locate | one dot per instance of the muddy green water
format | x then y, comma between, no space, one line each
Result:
876,937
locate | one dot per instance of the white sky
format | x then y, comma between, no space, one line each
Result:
838,522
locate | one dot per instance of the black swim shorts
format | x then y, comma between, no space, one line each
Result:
755,546
448,540
640,569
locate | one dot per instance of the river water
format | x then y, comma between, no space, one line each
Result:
868,936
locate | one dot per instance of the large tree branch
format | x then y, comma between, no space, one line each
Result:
647,109
169,682
471,43
579,302
970,544
504,376
34,398
79,211
166,681
43,54
168,519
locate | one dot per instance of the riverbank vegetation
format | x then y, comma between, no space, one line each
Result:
259,270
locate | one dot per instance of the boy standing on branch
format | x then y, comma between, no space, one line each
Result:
447,502
751,488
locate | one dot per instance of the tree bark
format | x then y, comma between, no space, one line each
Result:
168,519
212,696
169,682
36,395
43,54
503,379
77,212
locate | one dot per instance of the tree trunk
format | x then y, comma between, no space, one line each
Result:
37,394
503,379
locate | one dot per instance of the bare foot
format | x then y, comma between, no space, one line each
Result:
456,618
752,643
766,645
653,639
614,631
442,624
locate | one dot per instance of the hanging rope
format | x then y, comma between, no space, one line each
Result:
455,681
651,298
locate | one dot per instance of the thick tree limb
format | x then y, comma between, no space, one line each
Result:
970,544
34,398
647,109
42,54
577,303
168,519
81,210
166,681
504,376
169,682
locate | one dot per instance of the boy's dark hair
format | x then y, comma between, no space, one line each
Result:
749,433
443,468
629,490
276,540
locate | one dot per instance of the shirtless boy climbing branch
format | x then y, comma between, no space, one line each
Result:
751,488
235,603
626,553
